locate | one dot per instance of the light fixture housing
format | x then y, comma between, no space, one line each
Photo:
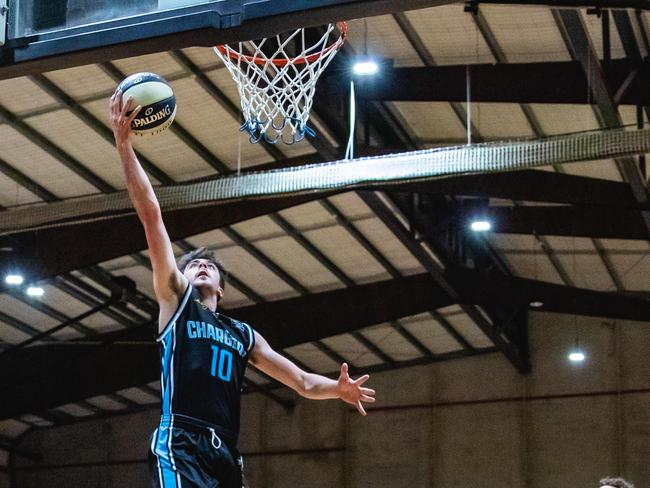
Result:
35,291
14,279
480,226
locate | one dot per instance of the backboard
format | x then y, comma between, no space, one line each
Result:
52,34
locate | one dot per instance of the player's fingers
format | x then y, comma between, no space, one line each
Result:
367,391
344,370
360,381
368,399
134,114
360,408
126,106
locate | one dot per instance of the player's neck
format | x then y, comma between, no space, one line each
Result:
209,300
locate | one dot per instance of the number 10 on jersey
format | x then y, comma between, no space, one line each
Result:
221,363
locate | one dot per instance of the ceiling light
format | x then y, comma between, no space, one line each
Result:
576,356
13,279
365,67
35,291
536,304
480,226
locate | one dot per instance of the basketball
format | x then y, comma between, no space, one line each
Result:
157,99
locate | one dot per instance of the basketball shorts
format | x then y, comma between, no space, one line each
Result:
196,457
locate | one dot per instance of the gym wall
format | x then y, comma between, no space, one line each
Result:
472,422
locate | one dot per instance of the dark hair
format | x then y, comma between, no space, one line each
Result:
204,253
615,482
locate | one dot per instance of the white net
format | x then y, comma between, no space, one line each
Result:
276,78
429,164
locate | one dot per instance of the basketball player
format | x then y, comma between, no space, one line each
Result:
614,483
204,353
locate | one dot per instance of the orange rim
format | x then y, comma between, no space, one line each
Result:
335,46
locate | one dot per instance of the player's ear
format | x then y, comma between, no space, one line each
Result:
220,292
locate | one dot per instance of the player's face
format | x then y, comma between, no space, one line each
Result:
202,273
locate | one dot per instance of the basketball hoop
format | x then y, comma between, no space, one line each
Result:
276,85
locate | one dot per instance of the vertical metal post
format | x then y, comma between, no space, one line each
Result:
468,87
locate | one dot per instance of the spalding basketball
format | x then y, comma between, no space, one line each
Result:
157,99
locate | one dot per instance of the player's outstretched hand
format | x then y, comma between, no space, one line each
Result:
351,391
120,121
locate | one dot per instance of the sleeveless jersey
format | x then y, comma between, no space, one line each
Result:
204,356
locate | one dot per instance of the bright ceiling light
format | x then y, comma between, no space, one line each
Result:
576,356
14,279
365,67
480,226
35,291
536,304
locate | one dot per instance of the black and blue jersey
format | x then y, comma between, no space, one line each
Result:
204,357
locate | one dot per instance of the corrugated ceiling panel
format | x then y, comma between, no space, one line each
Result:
20,95
173,156
29,315
603,169
352,350
143,279
115,265
430,333
595,29
526,34
450,35
432,121
340,247
351,205
11,335
625,245
21,153
308,216
465,326
587,271
204,117
561,243
564,119
35,420
233,298
300,264
633,271
106,403
536,267
391,342
506,242
227,134
247,269
82,81
313,358
204,57
138,396
12,428
75,410
500,120
65,303
258,229
389,246
68,334
162,64
82,143
11,193
384,39
628,114
213,239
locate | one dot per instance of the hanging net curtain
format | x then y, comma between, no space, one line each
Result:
276,78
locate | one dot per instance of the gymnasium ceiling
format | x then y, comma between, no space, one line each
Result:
377,279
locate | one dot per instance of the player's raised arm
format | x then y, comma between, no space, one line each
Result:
169,283
310,385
